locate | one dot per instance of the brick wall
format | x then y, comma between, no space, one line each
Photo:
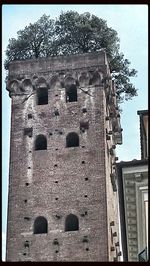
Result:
56,182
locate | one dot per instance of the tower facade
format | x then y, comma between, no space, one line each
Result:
65,126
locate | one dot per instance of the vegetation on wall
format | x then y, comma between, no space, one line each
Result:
73,33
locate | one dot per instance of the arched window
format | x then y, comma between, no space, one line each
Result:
42,96
71,223
71,93
72,140
40,225
41,143
96,79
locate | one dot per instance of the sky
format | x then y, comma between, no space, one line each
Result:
131,23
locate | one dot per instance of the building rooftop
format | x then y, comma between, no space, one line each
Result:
142,112
134,162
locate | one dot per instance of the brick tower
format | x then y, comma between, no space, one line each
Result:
65,125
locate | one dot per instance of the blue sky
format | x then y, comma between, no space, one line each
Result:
131,23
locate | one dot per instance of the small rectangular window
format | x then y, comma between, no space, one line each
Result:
28,131
71,93
29,116
42,96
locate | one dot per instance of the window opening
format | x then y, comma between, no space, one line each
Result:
84,125
112,249
56,112
41,143
84,110
42,96
57,216
26,244
85,239
71,94
114,234
95,80
112,223
71,223
28,131
107,137
72,140
40,225
55,242
27,218
29,116
84,213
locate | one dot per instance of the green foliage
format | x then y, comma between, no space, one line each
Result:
73,33
84,33
33,42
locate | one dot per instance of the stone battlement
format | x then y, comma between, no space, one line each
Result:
58,63
26,75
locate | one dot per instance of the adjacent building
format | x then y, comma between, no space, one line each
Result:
133,199
143,115
65,126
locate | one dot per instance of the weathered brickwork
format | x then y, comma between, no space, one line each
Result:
61,180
